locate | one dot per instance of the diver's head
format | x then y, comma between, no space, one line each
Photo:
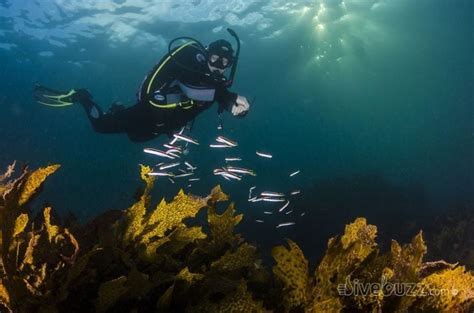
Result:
220,56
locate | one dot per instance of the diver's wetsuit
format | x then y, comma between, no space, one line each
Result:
177,89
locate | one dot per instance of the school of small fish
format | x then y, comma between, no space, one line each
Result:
172,168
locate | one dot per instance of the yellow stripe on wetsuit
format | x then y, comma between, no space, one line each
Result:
169,105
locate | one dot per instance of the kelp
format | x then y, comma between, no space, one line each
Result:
160,259
354,276
33,256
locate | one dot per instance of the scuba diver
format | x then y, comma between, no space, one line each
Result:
186,81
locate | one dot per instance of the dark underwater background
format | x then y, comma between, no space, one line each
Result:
371,100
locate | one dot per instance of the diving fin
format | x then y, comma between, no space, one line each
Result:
53,98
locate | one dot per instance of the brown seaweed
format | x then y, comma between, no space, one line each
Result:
147,259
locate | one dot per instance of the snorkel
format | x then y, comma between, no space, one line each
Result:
236,59
201,48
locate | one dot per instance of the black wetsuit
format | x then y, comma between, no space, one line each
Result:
175,91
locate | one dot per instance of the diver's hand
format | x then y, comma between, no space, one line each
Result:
240,107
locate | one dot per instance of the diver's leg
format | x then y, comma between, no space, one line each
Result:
142,124
113,121
93,111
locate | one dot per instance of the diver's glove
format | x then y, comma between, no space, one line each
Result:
240,107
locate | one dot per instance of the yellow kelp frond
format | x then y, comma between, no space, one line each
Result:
4,296
138,284
222,226
152,228
149,180
51,230
11,191
361,235
28,258
133,219
4,184
451,290
34,181
292,270
148,229
148,251
8,173
407,261
183,236
239,301
133,222
110,292
165,299
146,260
244,257
20,224
189,277
170,244
169,215
144,171
77,270
188,234
342,258
331,305
217,195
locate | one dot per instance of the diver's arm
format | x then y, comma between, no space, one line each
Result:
236,104
225,99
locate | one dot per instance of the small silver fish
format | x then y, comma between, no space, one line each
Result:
185,138
230,175
284,206
232,159
226,141
171,180
172,142
173,154
240,170
266,212
264,155
219,146
302,214
193,179
160,174
295,173
189,166
272,194
259,221
250,191
158,153
170,165
184,175
169,151
285,224
290,211
293,193
168,146
269,199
